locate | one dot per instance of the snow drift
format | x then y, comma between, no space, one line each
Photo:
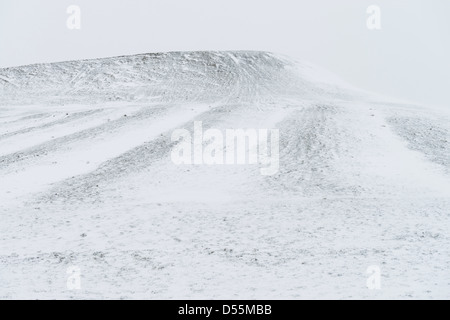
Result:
87,181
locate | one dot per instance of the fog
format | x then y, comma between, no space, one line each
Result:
407,58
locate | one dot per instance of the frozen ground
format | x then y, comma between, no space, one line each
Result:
87,181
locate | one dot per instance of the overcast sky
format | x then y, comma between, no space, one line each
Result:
408,58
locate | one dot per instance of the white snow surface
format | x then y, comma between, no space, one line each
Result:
86,180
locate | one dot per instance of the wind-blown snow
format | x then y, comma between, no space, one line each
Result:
87,181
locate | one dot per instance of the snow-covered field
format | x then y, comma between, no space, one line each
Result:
86,180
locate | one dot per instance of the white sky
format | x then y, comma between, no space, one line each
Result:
408,58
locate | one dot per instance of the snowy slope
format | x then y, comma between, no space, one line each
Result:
148,77
87,181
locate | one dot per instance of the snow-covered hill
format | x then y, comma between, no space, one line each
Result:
87,181
177,76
